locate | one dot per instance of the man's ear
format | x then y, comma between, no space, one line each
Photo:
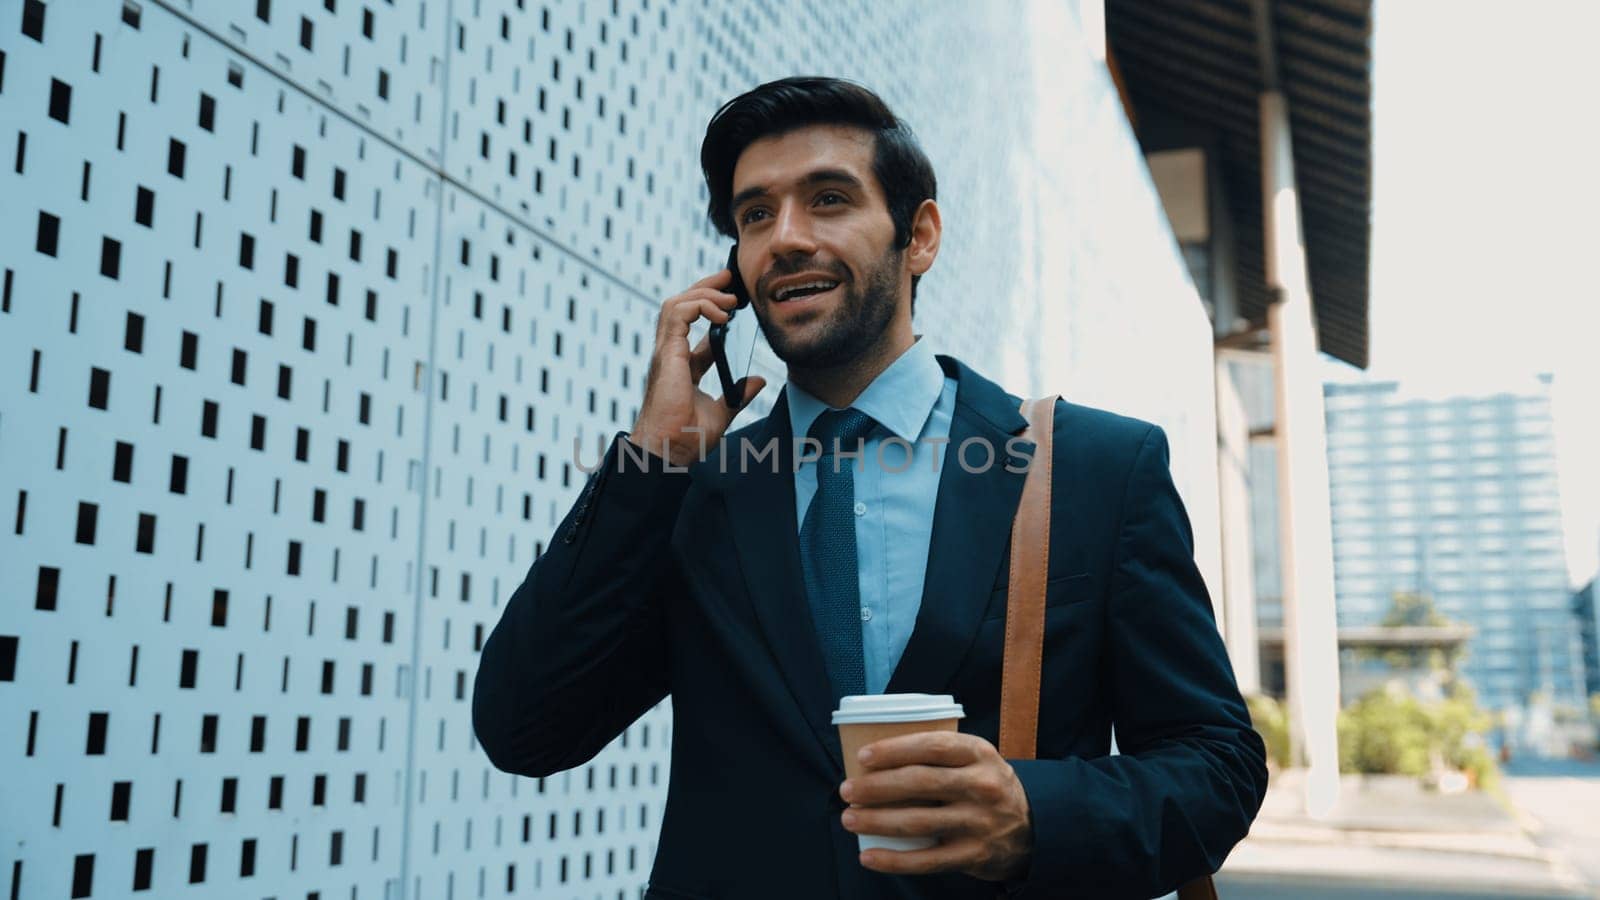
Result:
926,228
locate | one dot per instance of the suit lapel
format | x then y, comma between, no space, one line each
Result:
761,510
971,528
972,525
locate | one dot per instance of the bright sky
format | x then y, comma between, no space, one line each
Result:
1486,215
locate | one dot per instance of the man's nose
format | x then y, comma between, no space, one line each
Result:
791,233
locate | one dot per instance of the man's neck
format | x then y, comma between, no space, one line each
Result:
839,386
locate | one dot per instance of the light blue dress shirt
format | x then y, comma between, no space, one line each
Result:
911,400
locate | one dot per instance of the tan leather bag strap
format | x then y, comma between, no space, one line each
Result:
1030,563
1030,560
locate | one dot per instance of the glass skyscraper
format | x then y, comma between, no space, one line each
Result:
1456,497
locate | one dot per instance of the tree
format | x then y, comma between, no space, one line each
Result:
1408,608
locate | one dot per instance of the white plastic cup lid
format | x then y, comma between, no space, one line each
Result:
873,708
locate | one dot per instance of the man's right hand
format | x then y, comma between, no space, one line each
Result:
677,419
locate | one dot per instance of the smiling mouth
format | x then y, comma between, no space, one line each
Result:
801,292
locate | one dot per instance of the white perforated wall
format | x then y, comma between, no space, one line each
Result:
305,303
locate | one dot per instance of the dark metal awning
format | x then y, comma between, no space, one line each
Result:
1201,59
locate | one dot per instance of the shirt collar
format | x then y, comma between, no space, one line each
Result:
900,399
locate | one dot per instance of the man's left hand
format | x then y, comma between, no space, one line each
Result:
982,821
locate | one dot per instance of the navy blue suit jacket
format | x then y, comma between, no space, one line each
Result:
665,583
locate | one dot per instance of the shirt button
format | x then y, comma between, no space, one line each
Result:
866,614
861,508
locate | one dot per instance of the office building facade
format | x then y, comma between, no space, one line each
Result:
1457,498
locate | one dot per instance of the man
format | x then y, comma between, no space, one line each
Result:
714,570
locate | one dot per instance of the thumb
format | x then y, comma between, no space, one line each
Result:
748,388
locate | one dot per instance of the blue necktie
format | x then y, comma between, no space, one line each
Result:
828,551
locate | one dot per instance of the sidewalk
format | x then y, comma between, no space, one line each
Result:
1390,830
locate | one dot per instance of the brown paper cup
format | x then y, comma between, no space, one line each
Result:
872,717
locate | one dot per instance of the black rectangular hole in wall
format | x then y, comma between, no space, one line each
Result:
230,794
110,257
96,743
82,875
88,514
179,482
133,333
208,112
121,792
48,234
122,466
44,595
208,733
33,25
146,542
8,657
144,207
99,387
60,100
175,154
302,734
143,863
189,348
186,672
197,864
275,793
208,419
219,608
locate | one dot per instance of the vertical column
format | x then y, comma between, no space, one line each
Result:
1238,618
1311,652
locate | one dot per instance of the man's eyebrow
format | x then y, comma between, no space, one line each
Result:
815,177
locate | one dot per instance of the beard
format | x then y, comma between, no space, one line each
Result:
850,329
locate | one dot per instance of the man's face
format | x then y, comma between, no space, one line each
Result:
817,244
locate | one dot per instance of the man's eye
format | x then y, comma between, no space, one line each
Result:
749,215
831,195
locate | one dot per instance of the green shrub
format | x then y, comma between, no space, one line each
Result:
1388,731
1272,723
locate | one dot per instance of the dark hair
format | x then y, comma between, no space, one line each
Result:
779,107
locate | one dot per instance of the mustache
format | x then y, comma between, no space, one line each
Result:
783,269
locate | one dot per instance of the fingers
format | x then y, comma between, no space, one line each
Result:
905,783
747,389
950,856
700,359
932,748
719,277
911,821
680,312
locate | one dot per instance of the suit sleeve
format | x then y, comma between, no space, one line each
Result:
580,651
1192,772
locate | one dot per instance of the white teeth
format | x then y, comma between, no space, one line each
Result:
789,291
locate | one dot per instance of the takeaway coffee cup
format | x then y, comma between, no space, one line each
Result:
866,718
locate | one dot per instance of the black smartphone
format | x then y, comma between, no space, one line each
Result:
731,394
